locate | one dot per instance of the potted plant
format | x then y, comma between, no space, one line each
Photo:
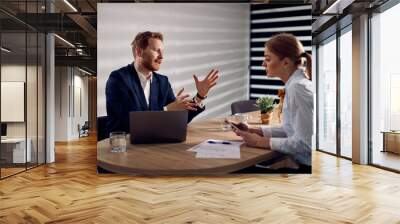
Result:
266,105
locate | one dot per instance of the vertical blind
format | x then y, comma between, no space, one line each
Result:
266,21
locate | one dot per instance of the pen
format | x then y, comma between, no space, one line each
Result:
223,142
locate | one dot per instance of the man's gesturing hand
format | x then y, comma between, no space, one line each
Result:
181,103
204,86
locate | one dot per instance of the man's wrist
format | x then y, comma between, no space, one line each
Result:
200,96
198,102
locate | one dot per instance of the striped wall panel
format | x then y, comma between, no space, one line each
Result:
266,21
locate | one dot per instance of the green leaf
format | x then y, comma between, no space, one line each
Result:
266,104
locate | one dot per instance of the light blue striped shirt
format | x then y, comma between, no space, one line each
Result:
293,137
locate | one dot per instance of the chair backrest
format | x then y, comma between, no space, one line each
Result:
243,106
85,126
102,128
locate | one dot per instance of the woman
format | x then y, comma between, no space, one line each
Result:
284,58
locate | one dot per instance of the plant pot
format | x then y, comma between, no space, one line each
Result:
266,117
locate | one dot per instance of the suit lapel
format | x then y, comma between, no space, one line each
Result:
153,101
133,82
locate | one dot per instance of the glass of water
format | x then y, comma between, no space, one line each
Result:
118,141
225,126
239,118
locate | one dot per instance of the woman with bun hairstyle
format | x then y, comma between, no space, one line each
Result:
286,59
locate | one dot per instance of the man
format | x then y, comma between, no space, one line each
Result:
138,87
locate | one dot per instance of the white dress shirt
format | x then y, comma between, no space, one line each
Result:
293,137
145,83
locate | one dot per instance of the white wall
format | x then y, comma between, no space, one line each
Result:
67,114
33,126
17,73
80,83
197,37
61,103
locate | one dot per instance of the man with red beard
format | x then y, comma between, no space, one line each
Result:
138,87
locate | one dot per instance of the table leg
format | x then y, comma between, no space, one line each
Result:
384,143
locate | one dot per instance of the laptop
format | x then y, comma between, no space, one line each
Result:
157,126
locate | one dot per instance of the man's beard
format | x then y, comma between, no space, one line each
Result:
149,66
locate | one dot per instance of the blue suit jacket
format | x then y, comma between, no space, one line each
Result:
124,94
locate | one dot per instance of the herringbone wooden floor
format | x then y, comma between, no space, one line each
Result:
70,191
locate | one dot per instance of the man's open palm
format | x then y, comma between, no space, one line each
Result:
204,86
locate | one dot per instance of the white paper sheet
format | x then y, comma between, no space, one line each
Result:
217,149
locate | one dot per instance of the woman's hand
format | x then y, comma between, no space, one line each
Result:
257,131
253,139
241,126
244,127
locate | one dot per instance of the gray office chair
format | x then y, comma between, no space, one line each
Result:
243,106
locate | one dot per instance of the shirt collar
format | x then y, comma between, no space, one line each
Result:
298,73
142,77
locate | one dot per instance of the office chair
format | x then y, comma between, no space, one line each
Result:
102,132
243,106
84,130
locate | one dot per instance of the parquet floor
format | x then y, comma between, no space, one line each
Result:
70,191
387,159
10,171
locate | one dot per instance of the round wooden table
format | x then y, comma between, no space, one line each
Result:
174,159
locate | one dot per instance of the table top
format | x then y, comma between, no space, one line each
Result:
391,132
13,140
174,159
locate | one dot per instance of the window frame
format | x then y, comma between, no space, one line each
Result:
335,36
